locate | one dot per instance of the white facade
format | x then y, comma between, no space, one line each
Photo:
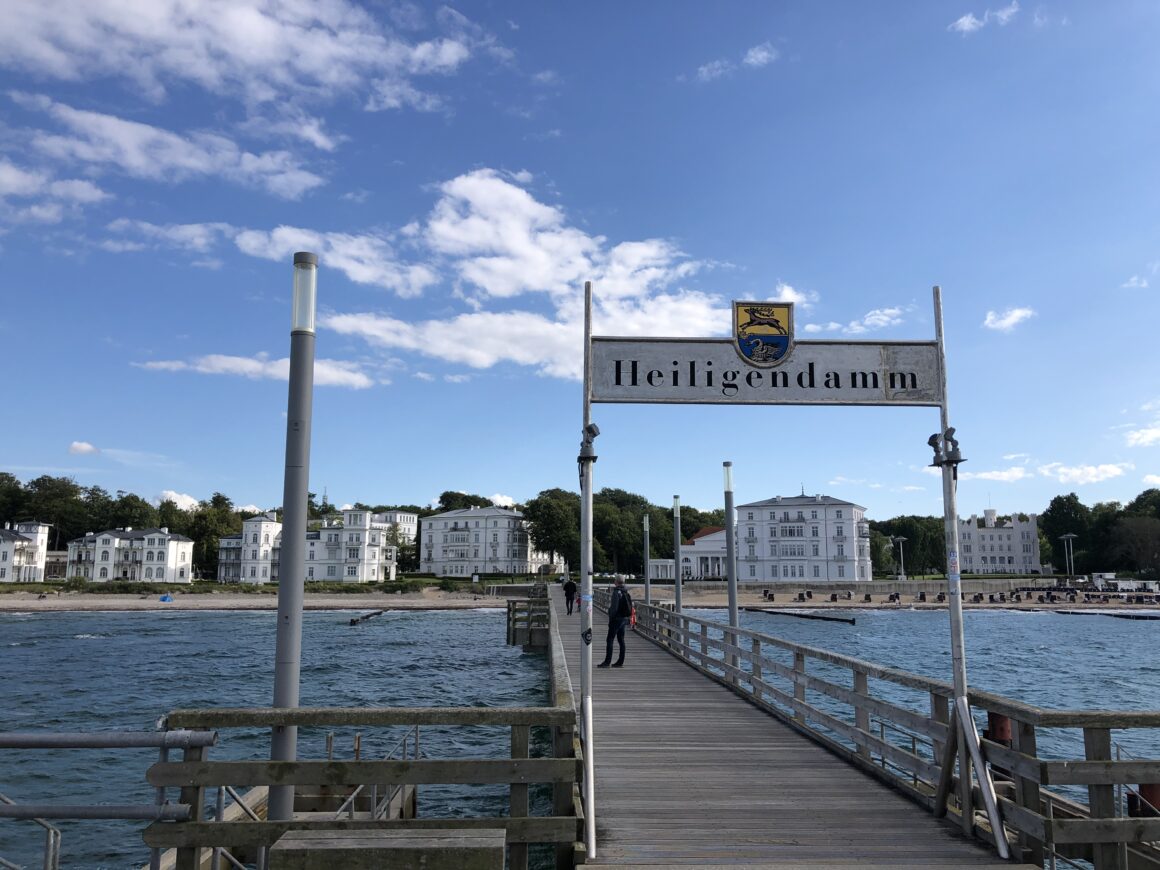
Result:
993,546
151,555
354,552
405,522
23,551
489,540
806,537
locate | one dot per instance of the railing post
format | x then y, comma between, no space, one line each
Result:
861,714
939,713
518,852
1097,744
704,645
799,689
755,669
189,857
562,791
1027,790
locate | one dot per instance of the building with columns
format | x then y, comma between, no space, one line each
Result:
994,545
355,551
800,537
23,552
483,540
150,555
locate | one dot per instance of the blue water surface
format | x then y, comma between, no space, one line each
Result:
123,671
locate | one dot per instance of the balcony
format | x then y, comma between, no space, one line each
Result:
839,537
840,558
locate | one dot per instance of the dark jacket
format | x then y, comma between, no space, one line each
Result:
570,589
619,605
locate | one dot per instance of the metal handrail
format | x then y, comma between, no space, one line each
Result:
51,841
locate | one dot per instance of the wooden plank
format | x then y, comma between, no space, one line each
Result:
1099,772
169,835
688,773
336,717
421,772
1104,831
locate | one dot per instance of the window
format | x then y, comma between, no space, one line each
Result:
104,555
265,539
310,573
254,538
840,531
352,552
749,516
253,571
160,574
3,572
106,541
752,570
181,557
104,573
813,515
801,515
148,555
330,571
265,571
817,571
352,570
841,570
813,531
3,555
749,533
838,514
253,554
841,549
815,550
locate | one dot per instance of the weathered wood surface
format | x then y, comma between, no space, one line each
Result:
690,775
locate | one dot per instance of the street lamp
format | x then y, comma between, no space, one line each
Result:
1069,552
901,560
677,552
288,642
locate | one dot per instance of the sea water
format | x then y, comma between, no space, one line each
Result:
123,671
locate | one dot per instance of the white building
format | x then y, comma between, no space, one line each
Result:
405,523
154,555
23,551
357,551
488,540
806,537
1000,546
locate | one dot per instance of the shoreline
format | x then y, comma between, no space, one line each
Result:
435,599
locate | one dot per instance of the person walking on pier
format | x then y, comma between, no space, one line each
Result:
619,614
569,593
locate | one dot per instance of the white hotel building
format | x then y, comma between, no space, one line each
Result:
488,540
994,546
357,551
151,555
23,552
807,537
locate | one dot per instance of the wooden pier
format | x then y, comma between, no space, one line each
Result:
689,774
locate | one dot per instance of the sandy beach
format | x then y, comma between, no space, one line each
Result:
436,599
428,599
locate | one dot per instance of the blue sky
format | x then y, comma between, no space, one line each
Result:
462,170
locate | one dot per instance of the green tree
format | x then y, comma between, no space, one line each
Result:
209,523
454,501
882,559
1138,540
57,501
13,499
170,516
554,524
1066,515
132,511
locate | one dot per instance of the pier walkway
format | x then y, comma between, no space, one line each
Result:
690,775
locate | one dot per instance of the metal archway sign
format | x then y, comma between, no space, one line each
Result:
763,364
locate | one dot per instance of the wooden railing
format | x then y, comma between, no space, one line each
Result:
894,725
560,766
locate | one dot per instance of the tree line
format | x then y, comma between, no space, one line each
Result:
1109,536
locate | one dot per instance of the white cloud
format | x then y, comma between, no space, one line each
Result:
1143,437
457,379
262,52
1135,282
969,23
187,237
813,328
1012,456
181,499
502,500
82,448
1152,479
914,489
248,509
1081,474
878,318
138,458
1008,320
425,376
803,299
760,55
1009,475
53,198
327,372
147,152
714,70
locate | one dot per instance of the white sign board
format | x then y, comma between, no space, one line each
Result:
711,371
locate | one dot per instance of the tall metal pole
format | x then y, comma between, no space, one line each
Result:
969,745
586,459
292,571
647,578
731,559
677,553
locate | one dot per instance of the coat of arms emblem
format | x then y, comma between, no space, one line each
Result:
763,331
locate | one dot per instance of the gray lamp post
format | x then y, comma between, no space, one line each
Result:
291,574
731,560
647,579
901,560
677,552
1069,553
